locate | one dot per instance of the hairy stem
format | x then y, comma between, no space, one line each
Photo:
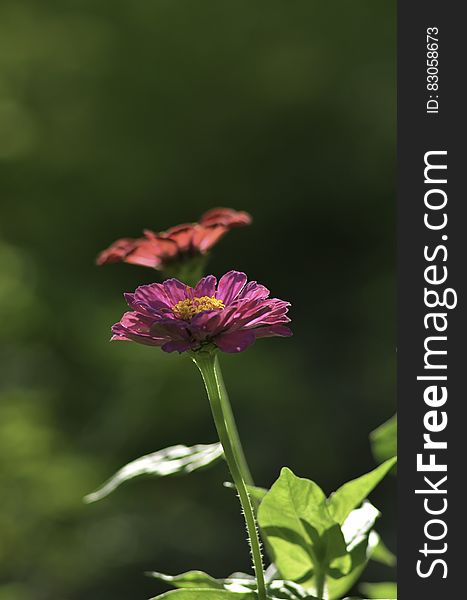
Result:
208,364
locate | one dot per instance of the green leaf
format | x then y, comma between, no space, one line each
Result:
313,537
380,591
201,580
176,460
276,590
203,594
300,531
352,493
383,555
237,583
287,590
384,440
191,579
361,541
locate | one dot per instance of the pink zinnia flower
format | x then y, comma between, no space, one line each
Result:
230,314
182,242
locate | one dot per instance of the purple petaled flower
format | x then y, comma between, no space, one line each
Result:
230,314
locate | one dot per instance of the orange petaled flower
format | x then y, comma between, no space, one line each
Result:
183,242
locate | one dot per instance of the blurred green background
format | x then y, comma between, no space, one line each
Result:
119,115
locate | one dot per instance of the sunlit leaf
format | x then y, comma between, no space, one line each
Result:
361,541
352,493
191,579
176,460
287,590
300,531
201,580
206,594
271,573
380,591
238,583
384,440
310,535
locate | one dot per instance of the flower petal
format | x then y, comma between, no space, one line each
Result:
235,342
272,331
176,291
135,322
206,286
136,327
145,255
120,337
211,322
247,315
151,251
204,238
226,216
182,235
254,291
116,251
134,337
176,346
169,328
153,296
230,286
276,313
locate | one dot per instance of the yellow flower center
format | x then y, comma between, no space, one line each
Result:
186,309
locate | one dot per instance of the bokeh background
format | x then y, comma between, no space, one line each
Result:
119,115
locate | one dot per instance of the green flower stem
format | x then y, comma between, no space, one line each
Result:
232,427
208,364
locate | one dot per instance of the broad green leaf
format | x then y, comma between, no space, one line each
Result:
176,460
384,440
203,594
310,535
380,591
361,541
383,555
301,533
352,493
201,580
